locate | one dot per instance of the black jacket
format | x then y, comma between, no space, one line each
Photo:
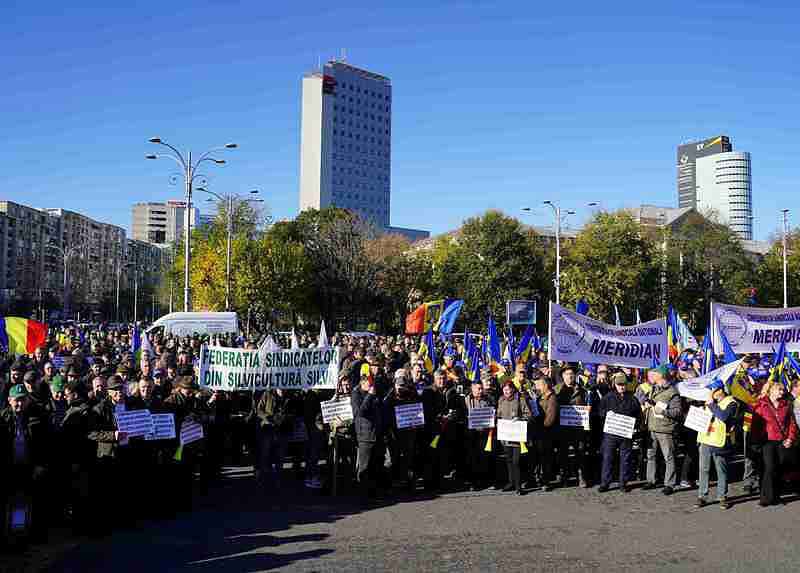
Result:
368,416
38,436
625,404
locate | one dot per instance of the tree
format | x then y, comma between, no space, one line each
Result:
705,261
488,261
611,262
769,273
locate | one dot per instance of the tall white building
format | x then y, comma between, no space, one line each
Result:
345,143
725,187
160,223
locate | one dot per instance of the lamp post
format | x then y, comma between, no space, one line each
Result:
557,212
189,173
66,254
785,260
119,275
229,200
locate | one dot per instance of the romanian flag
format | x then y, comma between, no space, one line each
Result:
20,335
526,343
425,316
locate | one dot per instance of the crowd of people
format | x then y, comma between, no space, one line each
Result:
64,459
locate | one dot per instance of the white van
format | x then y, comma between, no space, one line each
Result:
188,323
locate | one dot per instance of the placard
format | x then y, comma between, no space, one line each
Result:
163,427
480,418
409,416
619,425
510,431
698,419
191,432
134,422
338,408
574,416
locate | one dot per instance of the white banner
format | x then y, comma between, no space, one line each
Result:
508,431
574,337
190,432
163,427
695,388
619,425
223,368
409,416
338,408
574,416
698,419
755,329
134,422
480,418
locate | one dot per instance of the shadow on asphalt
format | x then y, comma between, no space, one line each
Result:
233,527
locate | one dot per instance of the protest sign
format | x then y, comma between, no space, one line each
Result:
574,337
340,408
698,419
163,427
409,416
134,422
510,431
191,432
520,312
695,388
619,425
480,418
223,368
755,329
574,416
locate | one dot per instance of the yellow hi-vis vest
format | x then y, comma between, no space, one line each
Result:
717,433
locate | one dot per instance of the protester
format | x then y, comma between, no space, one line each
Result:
774,422
619,401
661,406
716,443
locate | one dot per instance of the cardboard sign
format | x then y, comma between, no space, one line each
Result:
698,419
508,431
574,416
163,427
480,418
191,432
619,425
340,408
134,422
409,416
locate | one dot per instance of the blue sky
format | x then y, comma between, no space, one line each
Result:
496,105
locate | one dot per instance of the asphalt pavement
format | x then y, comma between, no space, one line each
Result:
238,528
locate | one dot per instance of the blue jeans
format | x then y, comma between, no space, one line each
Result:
610,446
721,463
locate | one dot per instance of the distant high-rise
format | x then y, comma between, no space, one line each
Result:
345,143
725,189
687,171
160,223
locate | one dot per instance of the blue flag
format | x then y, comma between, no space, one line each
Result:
495,353
582,307
447,320
730,355
709,360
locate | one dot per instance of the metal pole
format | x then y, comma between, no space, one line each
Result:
785,262
228,258
187,229
66,298
135,294
558,255
119,274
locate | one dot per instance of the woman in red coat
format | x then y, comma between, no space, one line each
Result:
774,419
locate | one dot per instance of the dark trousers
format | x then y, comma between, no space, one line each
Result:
775,457
545,453
512,465
571,438
610,446
404,455
438,460
370,465
477,457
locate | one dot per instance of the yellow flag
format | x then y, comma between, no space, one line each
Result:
435,442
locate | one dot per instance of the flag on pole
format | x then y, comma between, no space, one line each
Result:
21,335
582,307
730,355
709,360
495,354
427,351
450,312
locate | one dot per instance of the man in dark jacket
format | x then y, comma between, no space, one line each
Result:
25,442
78,454
479,444
619,401
368,418
444,415
570,393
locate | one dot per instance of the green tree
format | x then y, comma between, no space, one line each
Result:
769,273
705,261
611,262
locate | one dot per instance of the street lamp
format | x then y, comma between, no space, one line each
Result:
189,172
559,219
785,261
66,254
229,199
